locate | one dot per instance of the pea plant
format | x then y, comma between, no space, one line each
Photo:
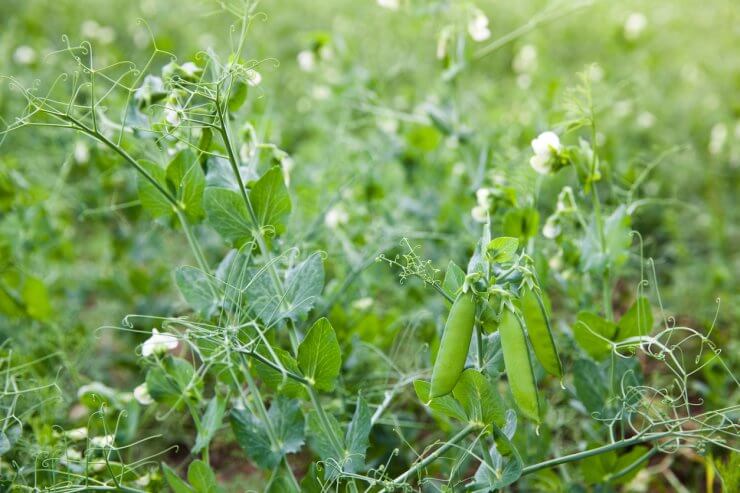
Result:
527,345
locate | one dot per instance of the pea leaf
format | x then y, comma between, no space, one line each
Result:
481,402
201,477
186,177
637,321
303,285
588,328
521,223
271,200
174,481
358,436
322,444
319,356
454,279
151,198
273,378
209,423
502,249
168,383
445,405
617,240
200,290
590,385
227,213
36,298
287,423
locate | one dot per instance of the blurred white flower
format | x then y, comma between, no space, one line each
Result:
389,4
478,27
525,60
172,114
253,77
76,434
81,152
190,69
321,92
142,396
443,39
479,213
102,441
24,55
483,196
551,229
556,262
306,60
523,81
89,29
634,25
717,138
362,303
595,72
335,217
143,480
565,200
106,35
158,343
645,119
546,146
458,169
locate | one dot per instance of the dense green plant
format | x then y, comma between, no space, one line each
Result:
531,351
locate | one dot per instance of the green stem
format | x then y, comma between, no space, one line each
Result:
590,453
431,457
328,429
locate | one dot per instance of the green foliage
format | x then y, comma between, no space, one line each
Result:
191,215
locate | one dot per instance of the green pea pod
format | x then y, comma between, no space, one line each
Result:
518,365
453,350
540,333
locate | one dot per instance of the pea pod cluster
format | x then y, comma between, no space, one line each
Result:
453,350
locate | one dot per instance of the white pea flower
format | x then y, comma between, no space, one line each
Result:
253,77
645,119
172,114
142,396
389,4
524,81
306,60
546,147
321,92
634,25
102,441
336,217
551,229
24,55
478,27
106,35
444,38
190,69
362,303
525,60
76,434
479,213
565,200
483,196
81,152
143,480
158,343
89,29
717,138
